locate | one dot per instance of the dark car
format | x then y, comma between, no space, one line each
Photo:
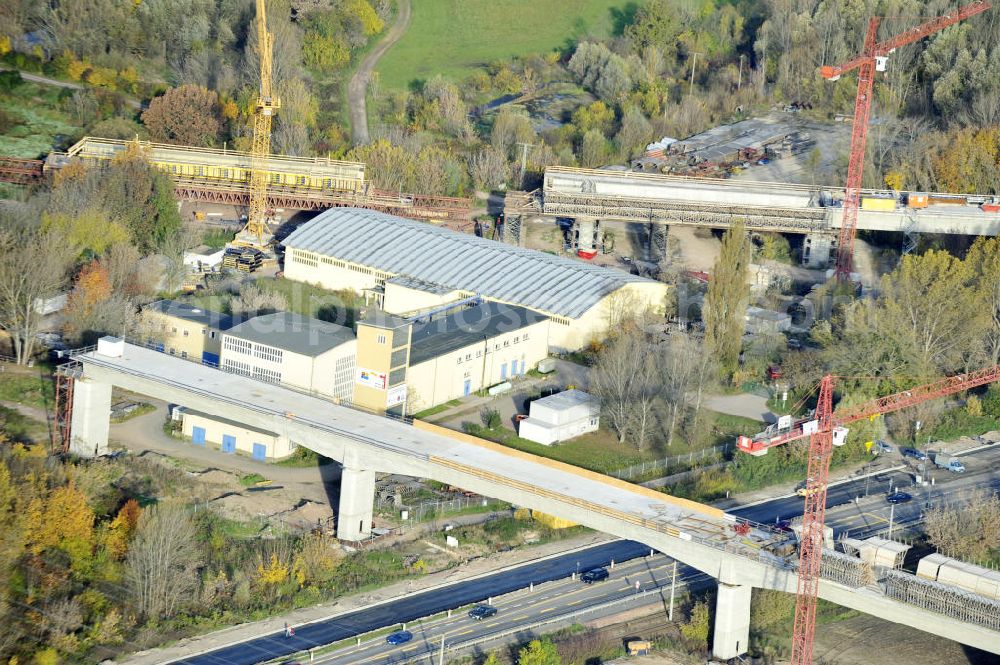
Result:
914,453
480,612
898,497
595,575
783,526
399,637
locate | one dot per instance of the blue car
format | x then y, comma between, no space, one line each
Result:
399,637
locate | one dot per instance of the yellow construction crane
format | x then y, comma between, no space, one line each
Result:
256,232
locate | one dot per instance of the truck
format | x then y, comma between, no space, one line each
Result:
949,462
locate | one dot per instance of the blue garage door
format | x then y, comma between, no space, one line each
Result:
513,368
467,388
259,451
198,436
503,371
228,443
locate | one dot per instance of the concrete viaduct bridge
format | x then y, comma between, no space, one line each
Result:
700,536
814,211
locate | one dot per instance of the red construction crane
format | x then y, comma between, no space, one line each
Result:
873,58
825,430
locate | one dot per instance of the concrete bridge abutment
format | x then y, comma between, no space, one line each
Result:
91,420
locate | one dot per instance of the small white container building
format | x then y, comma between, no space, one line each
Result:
560,417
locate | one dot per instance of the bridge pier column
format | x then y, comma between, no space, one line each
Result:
357,495
817,249
732,621
90,422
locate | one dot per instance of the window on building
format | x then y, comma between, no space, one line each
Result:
517,339
525,336
506,342
459,360
479,354
381,339
173,330
185,333
184,354
204,331
468,356
211,334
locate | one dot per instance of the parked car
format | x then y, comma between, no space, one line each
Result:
595,575
783,526
399,637
480,612
918,455
774,372
883,446
898,497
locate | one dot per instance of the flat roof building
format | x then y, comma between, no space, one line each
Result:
414,364
293,350
184,330
408,266
560,417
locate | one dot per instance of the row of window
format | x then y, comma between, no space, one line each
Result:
236,367
496,347
305,258
204,331
248,370
332,262
267,353
238,345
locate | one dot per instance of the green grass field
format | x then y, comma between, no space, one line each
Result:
32,121
454,37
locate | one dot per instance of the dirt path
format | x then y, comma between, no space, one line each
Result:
44,80
145,433
357,87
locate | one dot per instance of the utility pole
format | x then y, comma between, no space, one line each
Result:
892,513
441,654
694,63
739,81
524,160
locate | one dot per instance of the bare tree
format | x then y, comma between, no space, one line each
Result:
680,363
968,528
254,300
625,381
34,266
489,168
161,567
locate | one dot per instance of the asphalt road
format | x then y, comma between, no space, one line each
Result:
857,508
416,606
521,608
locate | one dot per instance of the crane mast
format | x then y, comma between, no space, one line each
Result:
825,430
256,232
873,58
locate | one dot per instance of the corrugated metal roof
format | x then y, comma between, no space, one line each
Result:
401,246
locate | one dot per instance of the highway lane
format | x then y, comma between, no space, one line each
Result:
858,519
521,608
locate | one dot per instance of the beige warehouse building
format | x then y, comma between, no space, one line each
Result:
407,266
233,437
295,351
184,330
410,365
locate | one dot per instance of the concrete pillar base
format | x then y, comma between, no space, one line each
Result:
732,621
90,423
357,494
817,250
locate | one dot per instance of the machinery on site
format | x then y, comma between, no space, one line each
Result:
825,430
873,58
257,232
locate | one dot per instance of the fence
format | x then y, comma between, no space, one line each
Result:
438,507
675,464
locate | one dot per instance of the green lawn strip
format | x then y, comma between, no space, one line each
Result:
434,410
34,121
34,389
455,37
